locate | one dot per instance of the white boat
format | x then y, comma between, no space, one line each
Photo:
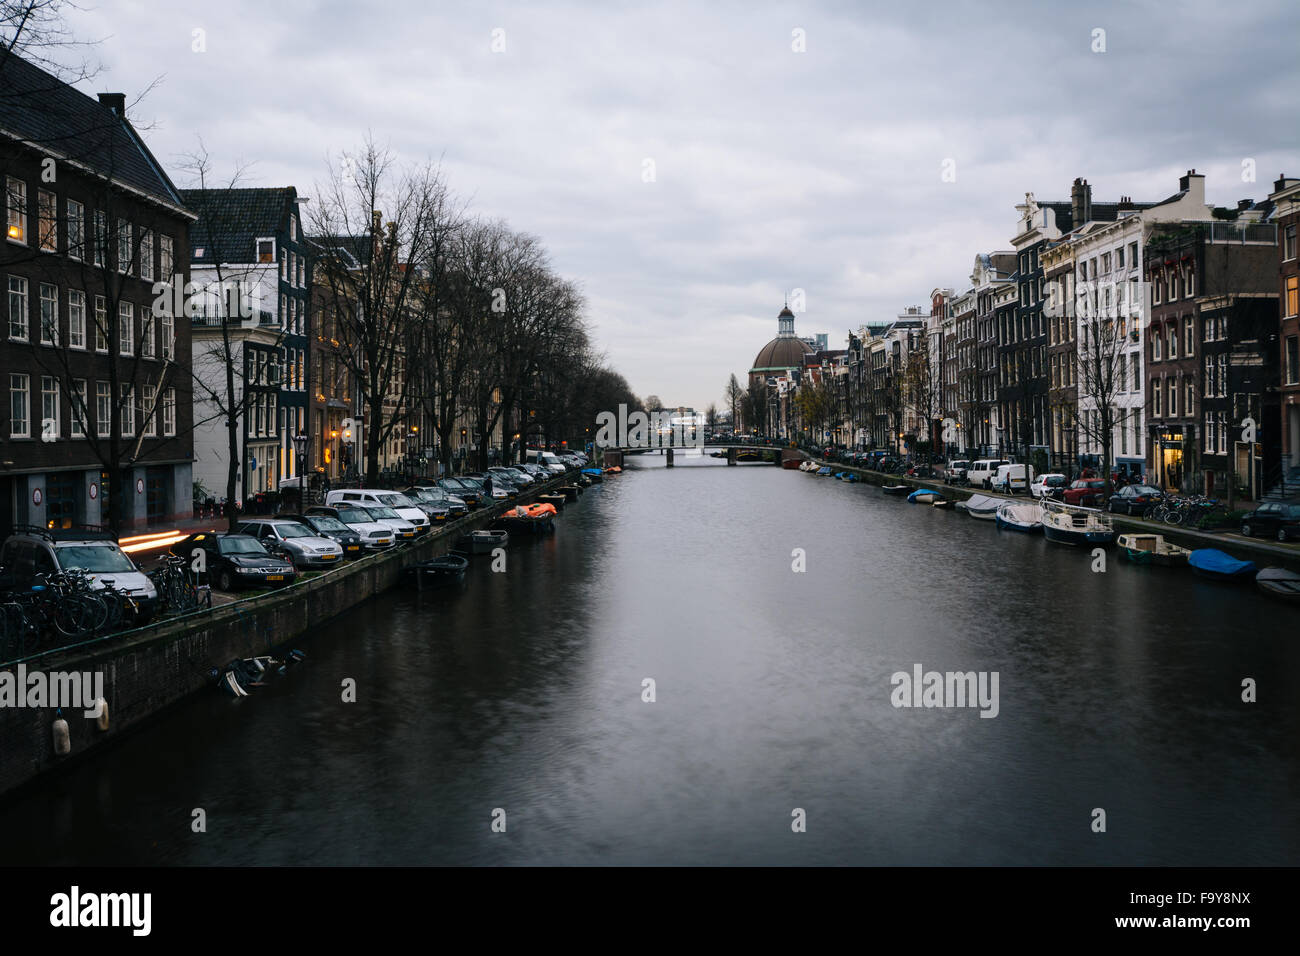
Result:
983,507
1019,515
1071,524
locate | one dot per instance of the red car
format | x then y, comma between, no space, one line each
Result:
1087,492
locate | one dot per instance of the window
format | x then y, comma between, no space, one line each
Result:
18,308
76,229
1173,284
16,191
146,333
1190,285
266,250
1136,366
50,406
128,410
1133,255
1121,375
1173,340
1119,258
100,238
20,425
166,258
103,409
1211,434
76,319
126,328
1292,295
1189,399
49,314
1155,290
1189,337
1157,392
293,227
169,412
146,254
101,324
1173,396
148,395
1105,263
1156,341
77,425
1288,242
284,310
302,274
167,328
1293,360
284,265
1222,377
47,227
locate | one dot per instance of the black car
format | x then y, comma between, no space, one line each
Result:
439,499
328,526
1134,499
1280,519
466,491
236,560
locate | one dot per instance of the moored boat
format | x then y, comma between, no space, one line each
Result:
824,471
1219,566
443,570
593,475
1070,524
924,496
239,677
1152,549
984,507
555,501
1279,583
1019,516
790,464
484,541
943,503
895,489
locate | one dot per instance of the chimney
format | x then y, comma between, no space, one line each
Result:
1126,202
1080,203
115,102
1244,204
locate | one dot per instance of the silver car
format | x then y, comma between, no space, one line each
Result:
304,548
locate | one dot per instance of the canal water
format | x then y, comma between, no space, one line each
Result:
520,699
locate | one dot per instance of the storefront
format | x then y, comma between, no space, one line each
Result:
1168,451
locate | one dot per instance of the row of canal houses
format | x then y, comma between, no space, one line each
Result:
117,395
1161,336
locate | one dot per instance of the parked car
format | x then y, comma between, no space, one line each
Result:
1134,499
1281,519
1087,492
30,552
405,508
549,461
330,527
502,488
235,560
512,474
375,535
956,471
403,531
537,471
1012,479
468,492
981,472
1048,485
449,506
305,548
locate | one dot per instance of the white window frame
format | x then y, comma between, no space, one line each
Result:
48,294
147,334
166,257
50,394
145,269
169,412
167,332
101,325
18,287
16,210
77,415
127,403
149,410
125,238
47,214
99,237
76,229
20,424
103,409
76,319
126,328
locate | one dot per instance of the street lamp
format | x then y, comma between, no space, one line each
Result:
300,446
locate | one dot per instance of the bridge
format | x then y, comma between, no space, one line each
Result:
735,454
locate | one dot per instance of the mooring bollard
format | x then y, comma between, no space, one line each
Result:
670,457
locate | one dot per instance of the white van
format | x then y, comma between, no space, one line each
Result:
1013,479
406,509
980,474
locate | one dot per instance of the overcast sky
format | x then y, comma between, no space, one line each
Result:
774,170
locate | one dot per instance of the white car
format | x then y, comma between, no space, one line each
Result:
1051,484
1012,479
406,509
980,474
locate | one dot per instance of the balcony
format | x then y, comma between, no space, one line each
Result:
264,319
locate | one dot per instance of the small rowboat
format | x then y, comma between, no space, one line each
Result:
824,471
1152,549
1217,566
483,541
983,507
895,489
924,496
440,571
943,503
593,474
555,501
790,464
1279,583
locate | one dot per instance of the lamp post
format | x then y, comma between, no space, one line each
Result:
300,446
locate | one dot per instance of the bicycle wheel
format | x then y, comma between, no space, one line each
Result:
1175,517
71,616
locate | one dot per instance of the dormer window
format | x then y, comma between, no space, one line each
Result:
266,251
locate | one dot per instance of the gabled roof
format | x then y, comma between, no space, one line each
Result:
354,250
232,220
40,109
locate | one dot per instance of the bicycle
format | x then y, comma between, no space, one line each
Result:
176,591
